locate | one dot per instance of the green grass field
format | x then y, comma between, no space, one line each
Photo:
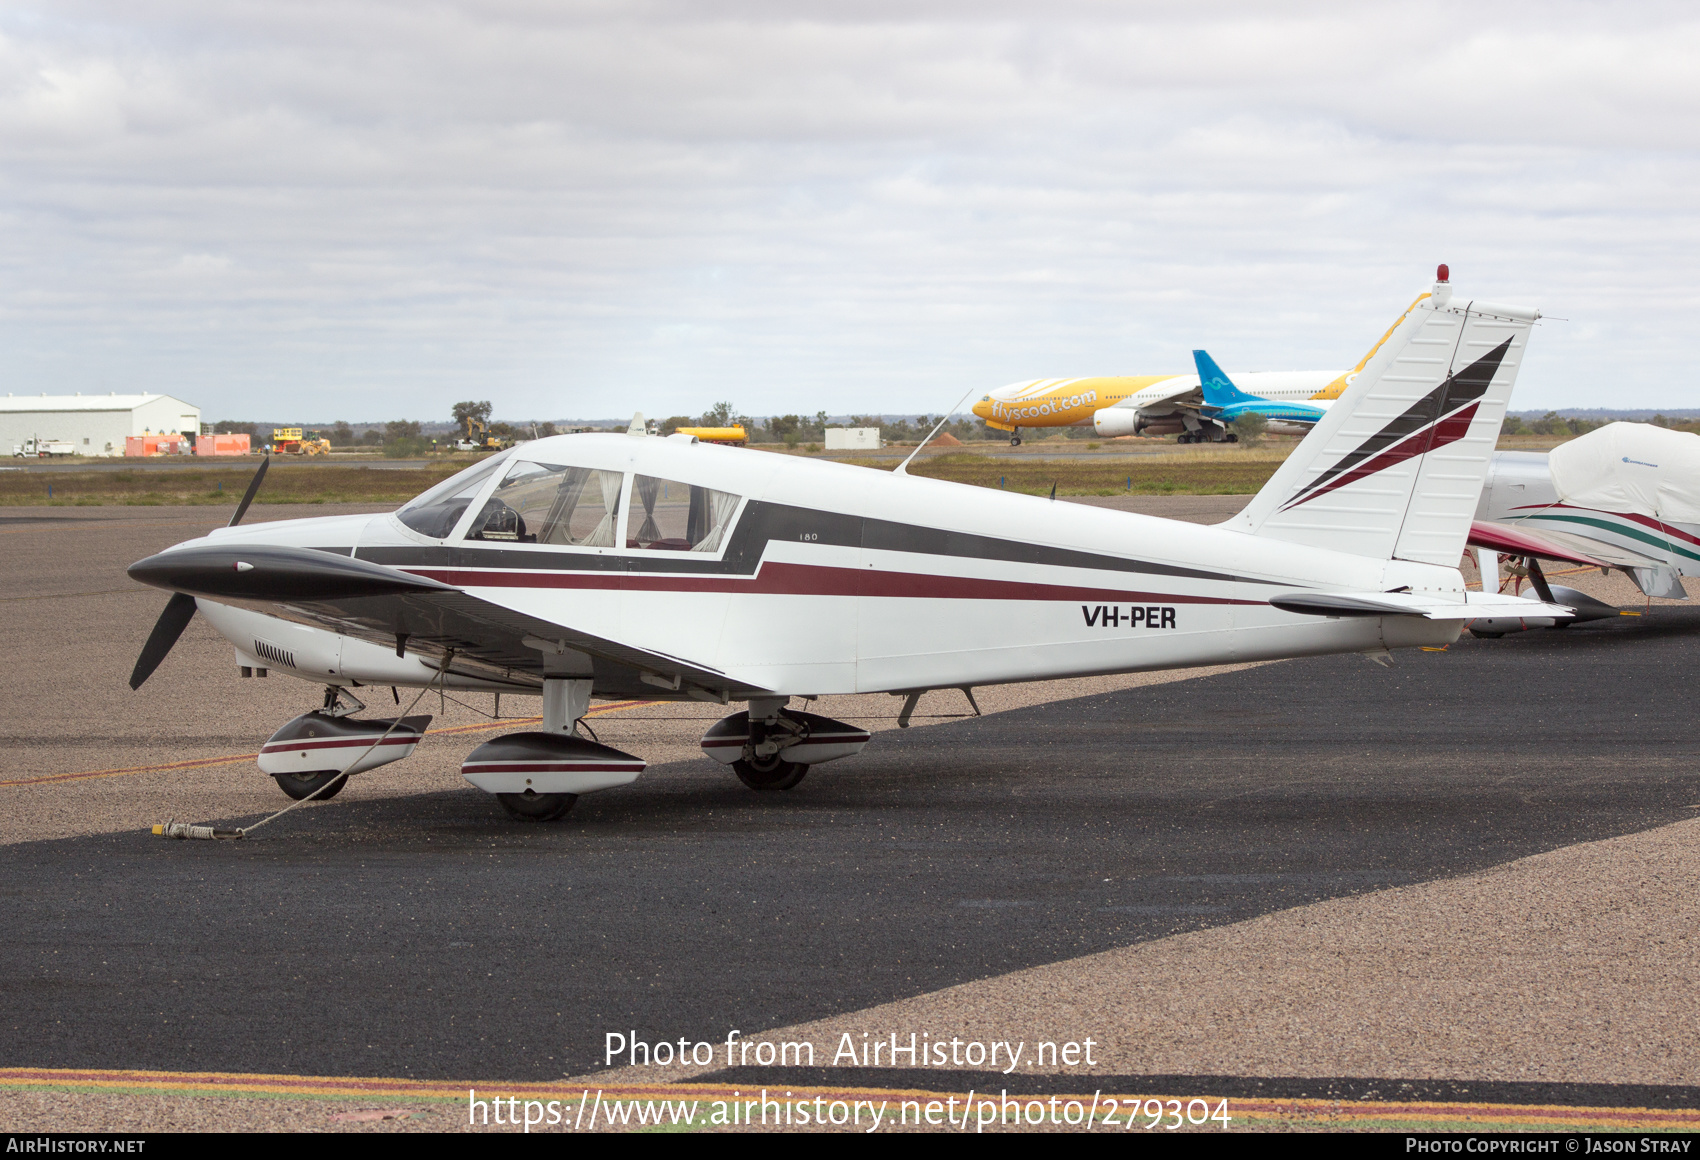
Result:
1227,471
285,483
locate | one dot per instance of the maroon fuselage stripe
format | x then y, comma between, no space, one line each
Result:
814,739
338,743
1448,430
775,579
551,767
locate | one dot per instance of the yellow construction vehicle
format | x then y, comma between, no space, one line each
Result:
288,441
478,437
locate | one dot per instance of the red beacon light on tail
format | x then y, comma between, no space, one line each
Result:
1443,273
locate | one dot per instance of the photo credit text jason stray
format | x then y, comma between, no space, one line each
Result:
910,1049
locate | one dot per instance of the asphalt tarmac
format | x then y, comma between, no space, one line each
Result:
408,936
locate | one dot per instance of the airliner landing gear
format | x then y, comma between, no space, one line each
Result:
771,747
1015,438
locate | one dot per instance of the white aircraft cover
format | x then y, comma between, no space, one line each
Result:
1633,468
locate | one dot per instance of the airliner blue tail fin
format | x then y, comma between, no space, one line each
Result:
1218,388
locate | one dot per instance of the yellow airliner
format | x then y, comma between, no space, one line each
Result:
1158,404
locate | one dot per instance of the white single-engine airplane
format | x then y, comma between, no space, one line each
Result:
585,566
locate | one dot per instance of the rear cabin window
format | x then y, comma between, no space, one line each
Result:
671,516
547,503
435,512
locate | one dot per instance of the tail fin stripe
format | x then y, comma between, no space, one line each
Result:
1448,430
1463,389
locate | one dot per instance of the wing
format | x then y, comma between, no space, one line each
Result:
387,606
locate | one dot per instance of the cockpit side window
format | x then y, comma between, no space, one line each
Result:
671,516
435,512
547,503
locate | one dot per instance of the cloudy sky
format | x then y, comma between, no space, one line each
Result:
368,210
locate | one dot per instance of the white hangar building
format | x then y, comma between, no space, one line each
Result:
96,424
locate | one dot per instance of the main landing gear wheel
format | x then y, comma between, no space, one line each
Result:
1015,441
532,806
301,785
770,772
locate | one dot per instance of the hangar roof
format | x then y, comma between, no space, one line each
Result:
108,402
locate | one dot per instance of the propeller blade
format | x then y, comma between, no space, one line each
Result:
248,498
179,610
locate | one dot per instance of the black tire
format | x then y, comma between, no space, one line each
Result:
300,785
1231,438
1015,441
774,773
531,806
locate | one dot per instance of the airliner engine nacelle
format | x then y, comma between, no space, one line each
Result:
1114,421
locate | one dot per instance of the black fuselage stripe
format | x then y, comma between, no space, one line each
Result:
764,523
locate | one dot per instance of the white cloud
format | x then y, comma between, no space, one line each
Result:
369,209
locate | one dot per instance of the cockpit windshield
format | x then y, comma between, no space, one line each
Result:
435,512
547,503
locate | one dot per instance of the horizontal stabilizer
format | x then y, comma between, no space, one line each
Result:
1407,604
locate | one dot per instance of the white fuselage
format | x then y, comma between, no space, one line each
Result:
842,579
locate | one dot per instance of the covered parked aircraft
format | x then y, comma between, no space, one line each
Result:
1625,496
585,566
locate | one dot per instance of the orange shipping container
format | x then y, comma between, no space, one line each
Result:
149,445
222,445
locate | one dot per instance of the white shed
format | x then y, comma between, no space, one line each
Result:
853,439
94,424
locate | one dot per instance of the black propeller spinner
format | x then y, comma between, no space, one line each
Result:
180,609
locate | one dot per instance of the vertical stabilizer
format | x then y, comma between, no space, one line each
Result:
1219,390
1395,468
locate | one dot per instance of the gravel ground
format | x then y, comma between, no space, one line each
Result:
1575,966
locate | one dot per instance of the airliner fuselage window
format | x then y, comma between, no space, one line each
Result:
546,503
678,517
